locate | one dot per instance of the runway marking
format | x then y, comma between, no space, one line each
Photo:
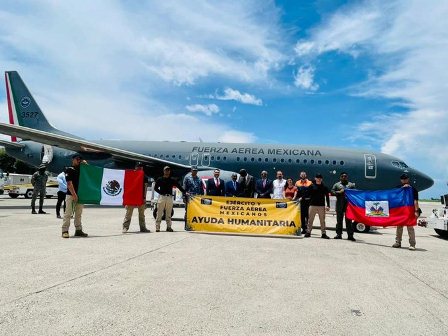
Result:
95,271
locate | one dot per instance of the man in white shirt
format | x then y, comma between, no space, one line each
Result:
62,192
278,186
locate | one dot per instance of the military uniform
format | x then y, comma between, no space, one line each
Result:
39,182
141,211
341,207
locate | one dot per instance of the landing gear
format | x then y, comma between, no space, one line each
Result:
360,227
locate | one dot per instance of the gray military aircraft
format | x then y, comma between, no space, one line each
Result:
41,142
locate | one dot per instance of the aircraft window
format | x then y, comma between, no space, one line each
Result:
266,160
319,162
282,160
289,160
312,161
327,162
342,163
212,158
167,156
259,159
274,160
396,164
404,165
180,157
238,158
245,159
305,161
334,162
218,158
174,156
252,159
224,158
297,160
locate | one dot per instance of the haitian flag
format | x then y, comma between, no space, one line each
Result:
393,207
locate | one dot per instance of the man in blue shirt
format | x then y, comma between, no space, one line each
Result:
193,186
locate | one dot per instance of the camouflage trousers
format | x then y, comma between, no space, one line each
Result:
38,192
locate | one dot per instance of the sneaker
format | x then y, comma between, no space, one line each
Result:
125,230
169,230
351,239
396,245
303,231
65,235
157,230
324,236
42,212
307,235
144,230
33,212
338,236
79,233
412,248
59,216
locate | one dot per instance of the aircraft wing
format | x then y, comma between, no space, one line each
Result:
83,146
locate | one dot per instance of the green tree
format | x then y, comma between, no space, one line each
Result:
10,165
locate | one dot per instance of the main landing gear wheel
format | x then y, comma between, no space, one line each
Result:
29,194
360,227
154,213
442,233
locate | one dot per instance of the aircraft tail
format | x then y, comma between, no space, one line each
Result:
22,108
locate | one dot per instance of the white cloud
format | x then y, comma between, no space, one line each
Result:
304,78
237,137
410,49
244,98
105,77
208,110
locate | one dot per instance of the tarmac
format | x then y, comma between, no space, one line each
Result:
185,283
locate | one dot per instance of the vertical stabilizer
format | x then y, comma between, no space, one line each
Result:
23,109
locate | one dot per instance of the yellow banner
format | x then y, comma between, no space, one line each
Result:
243,215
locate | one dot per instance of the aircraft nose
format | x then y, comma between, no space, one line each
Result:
423,181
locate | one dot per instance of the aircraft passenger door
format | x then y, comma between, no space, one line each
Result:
205,159
194,159
370,166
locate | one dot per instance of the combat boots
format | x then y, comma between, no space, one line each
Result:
79,233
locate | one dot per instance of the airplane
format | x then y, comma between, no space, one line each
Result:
41,142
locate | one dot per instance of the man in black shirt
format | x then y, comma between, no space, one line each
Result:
404,178
247,184
141,208
318,195
72,205
164,187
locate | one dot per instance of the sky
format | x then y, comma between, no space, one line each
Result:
352,74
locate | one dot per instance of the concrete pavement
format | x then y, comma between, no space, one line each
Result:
200,284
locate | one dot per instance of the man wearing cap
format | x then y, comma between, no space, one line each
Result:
232,188
341,206
164,187
263,186
193,186
141,208
39,182
404,178
72,205
247,184
318,195
215,185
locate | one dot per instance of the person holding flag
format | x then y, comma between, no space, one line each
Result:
141,208
404,178
72,205
341,206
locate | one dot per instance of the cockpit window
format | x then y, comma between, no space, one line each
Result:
399,164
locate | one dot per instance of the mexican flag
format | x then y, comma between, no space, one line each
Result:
110,186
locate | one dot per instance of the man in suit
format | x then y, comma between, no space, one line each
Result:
233,187
215,185
263,186
247,184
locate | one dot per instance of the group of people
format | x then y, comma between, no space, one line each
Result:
313,197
